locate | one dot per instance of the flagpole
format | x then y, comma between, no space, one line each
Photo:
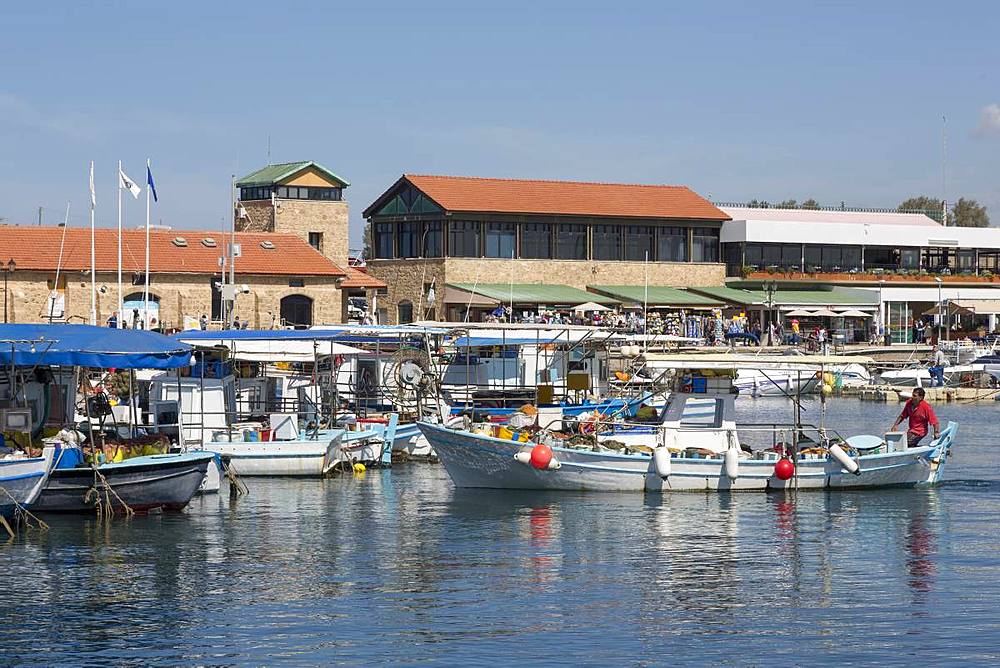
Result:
145,285
121,313
93,258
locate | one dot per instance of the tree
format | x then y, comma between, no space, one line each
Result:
788,204
758,204
810,204
923,204
367,251
969,213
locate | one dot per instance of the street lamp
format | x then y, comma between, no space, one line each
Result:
7,270
769,288
880,325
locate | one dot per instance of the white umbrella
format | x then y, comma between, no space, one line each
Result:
824,313
799,313
855,313
590,306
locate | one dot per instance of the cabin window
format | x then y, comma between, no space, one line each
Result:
571,242
536,241
639,243
501,238
409,239
433,239
671,244
705,244
607,240
463,238
383,240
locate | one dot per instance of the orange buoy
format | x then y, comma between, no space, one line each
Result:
541,455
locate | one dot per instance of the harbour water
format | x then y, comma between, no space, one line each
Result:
398,566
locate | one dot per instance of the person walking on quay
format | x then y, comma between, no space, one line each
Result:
203,322
938,364
113,320
920,415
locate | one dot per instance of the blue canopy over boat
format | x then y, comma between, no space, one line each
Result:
89,346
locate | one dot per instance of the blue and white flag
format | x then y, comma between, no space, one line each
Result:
149,180
128,184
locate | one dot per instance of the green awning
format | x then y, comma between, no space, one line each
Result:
656,295
532,293
834,296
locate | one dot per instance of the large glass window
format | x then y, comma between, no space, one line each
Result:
938,259
989,260
639,242
966,260
536,240
384,246
909,258
672,244
463,238
850,258
433,239
705,245
501,238
732,254
409,239
571,242
607,240
753,256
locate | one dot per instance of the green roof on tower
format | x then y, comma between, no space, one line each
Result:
276,174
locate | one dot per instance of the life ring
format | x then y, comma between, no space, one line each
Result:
622,376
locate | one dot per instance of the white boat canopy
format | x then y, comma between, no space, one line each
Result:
734,362
276,350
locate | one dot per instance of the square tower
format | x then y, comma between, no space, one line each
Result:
304,198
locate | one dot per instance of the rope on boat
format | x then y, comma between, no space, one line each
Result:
103,505
236,485
21,516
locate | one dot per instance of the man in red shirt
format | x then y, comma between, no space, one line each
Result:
921,414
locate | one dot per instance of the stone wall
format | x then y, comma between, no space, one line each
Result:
300,217
180,295
406,278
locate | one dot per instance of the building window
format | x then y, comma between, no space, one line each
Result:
938,259
966,260
733,257
405,312
672,244
384,246
536,241
909,258
296,282
316,240
463,238
753,256
409,239
433,239
571,242
501,238
989,260
781,256
607,240
705,244
639,243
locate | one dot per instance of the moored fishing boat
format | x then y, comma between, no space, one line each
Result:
697,446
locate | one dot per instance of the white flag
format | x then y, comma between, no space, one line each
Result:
129,184
93,195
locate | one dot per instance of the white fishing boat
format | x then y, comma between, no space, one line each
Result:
696,446
920,376
22,479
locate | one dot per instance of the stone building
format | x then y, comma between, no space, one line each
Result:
281,278
473,239
302,198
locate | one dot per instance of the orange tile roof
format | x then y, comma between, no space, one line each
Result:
517,196
38,248
360,279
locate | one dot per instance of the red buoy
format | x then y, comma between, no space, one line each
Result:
541,455
784,469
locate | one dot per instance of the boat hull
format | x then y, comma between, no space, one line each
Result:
474,460
156,482
21,481
300,458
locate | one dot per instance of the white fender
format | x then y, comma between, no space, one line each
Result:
524,457
554,465
845,461
732,463
661,461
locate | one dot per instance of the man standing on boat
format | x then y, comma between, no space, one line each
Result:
920,415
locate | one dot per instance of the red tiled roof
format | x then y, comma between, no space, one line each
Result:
516,196
38,248
360,279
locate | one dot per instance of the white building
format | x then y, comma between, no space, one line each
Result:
914,264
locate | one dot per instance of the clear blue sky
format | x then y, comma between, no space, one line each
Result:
840,101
